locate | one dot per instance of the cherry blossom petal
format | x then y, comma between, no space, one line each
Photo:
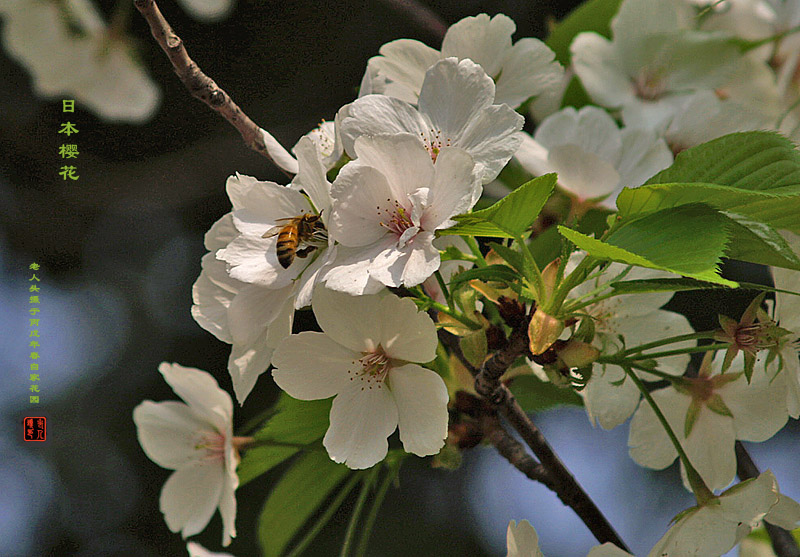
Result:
278,153
522,540
421,398
201,392
211,301
594,59
253,309
453,189
190,496
610,396
480,39
265,203
406,333
312,366
254,259
362,418
648,443
529,69
757,411
643,155
379,115
221,233
583,174
167,432
409,265
402,160
492,137
311,175
453,94
533,156
589,128
362,199
406,61
227,499
246,363
349,272
710,448
355,322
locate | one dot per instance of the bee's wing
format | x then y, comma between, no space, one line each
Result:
274,231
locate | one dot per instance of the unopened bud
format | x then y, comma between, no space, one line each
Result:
550,276
543,331
578,354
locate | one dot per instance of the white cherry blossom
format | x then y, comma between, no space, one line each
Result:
260,207
364,358
522,540
716,409
787,312
594,159
386,206
456,109
716,527
250,317
610,396
71,52
522,70
196,440
653,58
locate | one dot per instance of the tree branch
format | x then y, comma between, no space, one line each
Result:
783,543
203,87
559,479
514,452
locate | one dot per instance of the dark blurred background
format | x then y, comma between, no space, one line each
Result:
120,248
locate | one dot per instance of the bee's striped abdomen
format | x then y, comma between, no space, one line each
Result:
287,245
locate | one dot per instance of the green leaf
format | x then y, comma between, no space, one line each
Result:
296,422
516,212
535,395
661,285
594,15
295,499
500,273
467,225
754,174
688,240
757,242
514,258
474,346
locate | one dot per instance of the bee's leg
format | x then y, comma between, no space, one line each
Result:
305,251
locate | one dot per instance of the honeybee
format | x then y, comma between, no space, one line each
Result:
307,228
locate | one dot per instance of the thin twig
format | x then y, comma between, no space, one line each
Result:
513,451
199,84
560,480
783,543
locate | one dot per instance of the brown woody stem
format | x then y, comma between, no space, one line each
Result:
559,479
199,84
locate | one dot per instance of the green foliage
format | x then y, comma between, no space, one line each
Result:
535,395
754,174
500,273
510,216
666,240
295,422
594,15
295,499
661,285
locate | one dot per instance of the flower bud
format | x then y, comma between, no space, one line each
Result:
543,331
